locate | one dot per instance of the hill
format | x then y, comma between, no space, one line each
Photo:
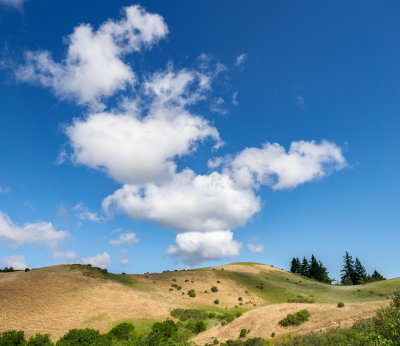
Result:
58,298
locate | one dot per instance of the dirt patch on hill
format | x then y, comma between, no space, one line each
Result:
263,321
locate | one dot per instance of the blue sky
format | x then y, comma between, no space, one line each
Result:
159,135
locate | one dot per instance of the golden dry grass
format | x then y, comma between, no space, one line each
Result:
55,299
263,321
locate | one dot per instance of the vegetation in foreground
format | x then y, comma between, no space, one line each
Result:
191,322
383,329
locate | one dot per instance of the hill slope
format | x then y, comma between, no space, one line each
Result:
58,298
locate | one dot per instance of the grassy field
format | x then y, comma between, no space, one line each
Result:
55,299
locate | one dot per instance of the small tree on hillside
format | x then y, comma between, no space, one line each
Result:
360,274
347,277
305,267
376,276
295,265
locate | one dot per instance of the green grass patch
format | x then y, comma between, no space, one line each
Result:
281,287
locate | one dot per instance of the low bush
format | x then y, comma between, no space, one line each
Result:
243,333
187,314
82,337
192,293
12,337
340,304
40,340
295,320
248,342
214,289
216,301
123,331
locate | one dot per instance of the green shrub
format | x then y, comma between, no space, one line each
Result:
27,269
171,289
214,289
240,298
295,320
340,304
396,299
40,340
192,293
243,333
196,326
186,314
161,332
81,337
248,342
216,301
12,337
123,331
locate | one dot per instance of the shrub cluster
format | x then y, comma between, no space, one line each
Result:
295,320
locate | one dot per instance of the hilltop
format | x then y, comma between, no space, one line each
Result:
57,298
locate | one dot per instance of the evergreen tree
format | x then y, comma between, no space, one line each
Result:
295,265
313,272
347,277
360,274
305,267
376,276
323,274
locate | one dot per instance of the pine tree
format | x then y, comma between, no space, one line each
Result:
323,274
314,269
295,265
360,273
376,276
348,270
305,267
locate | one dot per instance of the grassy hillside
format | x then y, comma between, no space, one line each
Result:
58,298
279,286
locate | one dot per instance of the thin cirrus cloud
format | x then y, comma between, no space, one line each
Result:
240,59
125,239
93,68
255,248
139,142
83,213
14,3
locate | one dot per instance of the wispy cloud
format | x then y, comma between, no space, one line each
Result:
255,248
125,239
84,214
240,59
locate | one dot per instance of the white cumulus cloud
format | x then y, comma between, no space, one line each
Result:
30,233
187,202
16,262
135,149
125,239
196,247
272,165
93,68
